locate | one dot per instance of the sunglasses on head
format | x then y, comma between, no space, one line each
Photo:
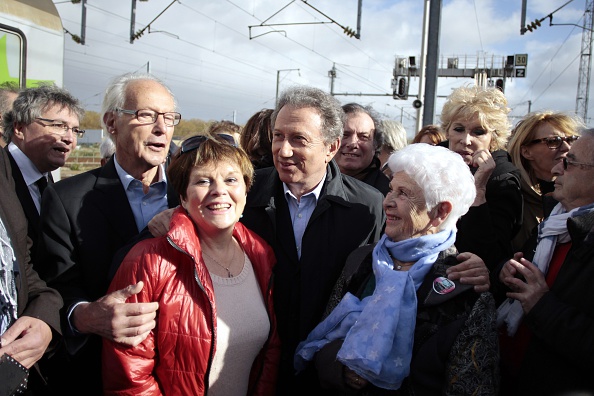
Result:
554,142
194,142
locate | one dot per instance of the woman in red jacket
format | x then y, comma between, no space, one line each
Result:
212,278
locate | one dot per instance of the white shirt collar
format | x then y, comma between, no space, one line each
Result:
28,169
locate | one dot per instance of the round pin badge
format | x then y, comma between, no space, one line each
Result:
443,285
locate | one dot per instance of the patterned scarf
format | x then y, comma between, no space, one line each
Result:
8,292
378,331
551,232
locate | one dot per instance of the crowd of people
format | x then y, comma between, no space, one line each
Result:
312,250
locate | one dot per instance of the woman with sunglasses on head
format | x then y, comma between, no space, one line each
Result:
539,141
212,278
477,128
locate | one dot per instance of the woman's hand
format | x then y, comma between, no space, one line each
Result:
485,164
352,379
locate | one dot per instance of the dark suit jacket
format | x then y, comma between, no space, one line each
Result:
34,298
85,220
22,192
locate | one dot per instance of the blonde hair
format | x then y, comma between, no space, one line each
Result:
525,131
488,103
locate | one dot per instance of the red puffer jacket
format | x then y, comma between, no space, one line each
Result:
176,357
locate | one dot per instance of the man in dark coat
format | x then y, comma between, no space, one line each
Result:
552,350
36,314
312,215
41,132
358,155
87,218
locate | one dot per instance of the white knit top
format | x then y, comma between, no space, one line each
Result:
242,330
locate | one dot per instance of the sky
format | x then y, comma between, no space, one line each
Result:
218,68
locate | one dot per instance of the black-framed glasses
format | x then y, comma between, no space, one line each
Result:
146,116
192,143
554,142
59,128
567,162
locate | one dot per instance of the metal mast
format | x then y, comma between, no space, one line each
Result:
581,103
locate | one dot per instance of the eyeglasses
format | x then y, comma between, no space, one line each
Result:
567,162
145,116
554,142
59,128
194,142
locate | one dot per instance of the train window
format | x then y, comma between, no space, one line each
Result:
12,56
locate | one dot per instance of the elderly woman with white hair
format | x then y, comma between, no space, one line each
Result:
402,325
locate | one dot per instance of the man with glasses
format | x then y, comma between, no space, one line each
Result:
87,218
41,129
549,285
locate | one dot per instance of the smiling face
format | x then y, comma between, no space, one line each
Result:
141,148
215,197
356,148
541,158
298,149
467,136
573,186
47,147
406,209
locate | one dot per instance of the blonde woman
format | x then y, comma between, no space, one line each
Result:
539,141
477,128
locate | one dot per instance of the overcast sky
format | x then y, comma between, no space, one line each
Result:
203,51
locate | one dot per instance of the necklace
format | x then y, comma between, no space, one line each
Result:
400,265
229,274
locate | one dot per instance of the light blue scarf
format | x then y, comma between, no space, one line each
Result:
378,331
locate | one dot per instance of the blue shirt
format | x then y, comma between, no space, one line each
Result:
144,206
301,210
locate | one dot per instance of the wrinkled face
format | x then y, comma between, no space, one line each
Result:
299,152
48,147
573,186
543,159
139,147
406,209
467,136
215,197
356,148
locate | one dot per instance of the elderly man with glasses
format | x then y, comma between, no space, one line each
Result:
42,129
86,219
549,312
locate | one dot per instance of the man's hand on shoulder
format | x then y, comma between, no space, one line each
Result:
26,340
112,318
159,225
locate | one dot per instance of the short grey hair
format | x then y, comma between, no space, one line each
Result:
107,148
32,102
115,93
441,174
378,131
394,135
325,104
589,134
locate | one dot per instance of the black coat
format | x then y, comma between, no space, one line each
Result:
348,214
560,355
487,230
455,348
24,195
85,220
